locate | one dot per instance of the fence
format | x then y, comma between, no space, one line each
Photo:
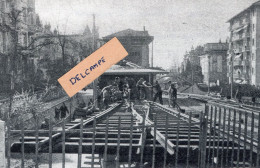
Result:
157,137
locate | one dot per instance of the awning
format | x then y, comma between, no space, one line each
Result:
239,29
134,71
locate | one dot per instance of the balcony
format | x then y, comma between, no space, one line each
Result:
237,37
237,76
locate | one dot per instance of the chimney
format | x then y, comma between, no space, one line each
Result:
144,28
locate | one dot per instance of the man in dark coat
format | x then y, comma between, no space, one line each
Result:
63,110
158,92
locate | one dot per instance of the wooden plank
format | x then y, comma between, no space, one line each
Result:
223,138
258,145
219,122
165,143
177,140
210,128
154,139
106,141
239,138
80,144
85,122
118,144
50,143
93,142
63,143
22,146
245,140
37,143
131,142
233,136
214,134
228,135
188,149
252,138
159,137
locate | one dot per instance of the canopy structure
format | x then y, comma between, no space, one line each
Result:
132,69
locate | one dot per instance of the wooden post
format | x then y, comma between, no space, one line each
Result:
2,144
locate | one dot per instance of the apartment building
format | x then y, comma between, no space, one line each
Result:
214,63
244,46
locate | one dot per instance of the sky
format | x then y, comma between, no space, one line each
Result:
176,25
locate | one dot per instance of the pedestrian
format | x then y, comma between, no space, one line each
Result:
57,113
158,92
63,110
239,96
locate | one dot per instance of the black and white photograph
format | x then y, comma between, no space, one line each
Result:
129,83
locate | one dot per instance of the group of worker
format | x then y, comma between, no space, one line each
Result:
118,90
126,89
171,91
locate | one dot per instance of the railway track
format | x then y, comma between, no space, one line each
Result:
148,133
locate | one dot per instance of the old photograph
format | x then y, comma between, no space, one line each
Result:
129,83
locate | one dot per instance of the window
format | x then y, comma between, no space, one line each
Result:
253,27
135,54
253,56
253,42
219,64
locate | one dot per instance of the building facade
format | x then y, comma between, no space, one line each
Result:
16,16
214,63
136,44
244,46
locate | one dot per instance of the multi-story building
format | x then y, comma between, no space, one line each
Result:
136,44
244,46
16,16
214,63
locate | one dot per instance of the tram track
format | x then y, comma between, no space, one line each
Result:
146,131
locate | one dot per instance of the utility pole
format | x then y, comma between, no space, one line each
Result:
232,71
208,74
94,49
152,56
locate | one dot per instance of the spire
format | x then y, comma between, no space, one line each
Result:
87,31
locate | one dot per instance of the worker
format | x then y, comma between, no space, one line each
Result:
158,92
172,92
57,114
106,92
141,84
63,110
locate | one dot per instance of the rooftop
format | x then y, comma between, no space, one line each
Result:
215,47
128,32
252,5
